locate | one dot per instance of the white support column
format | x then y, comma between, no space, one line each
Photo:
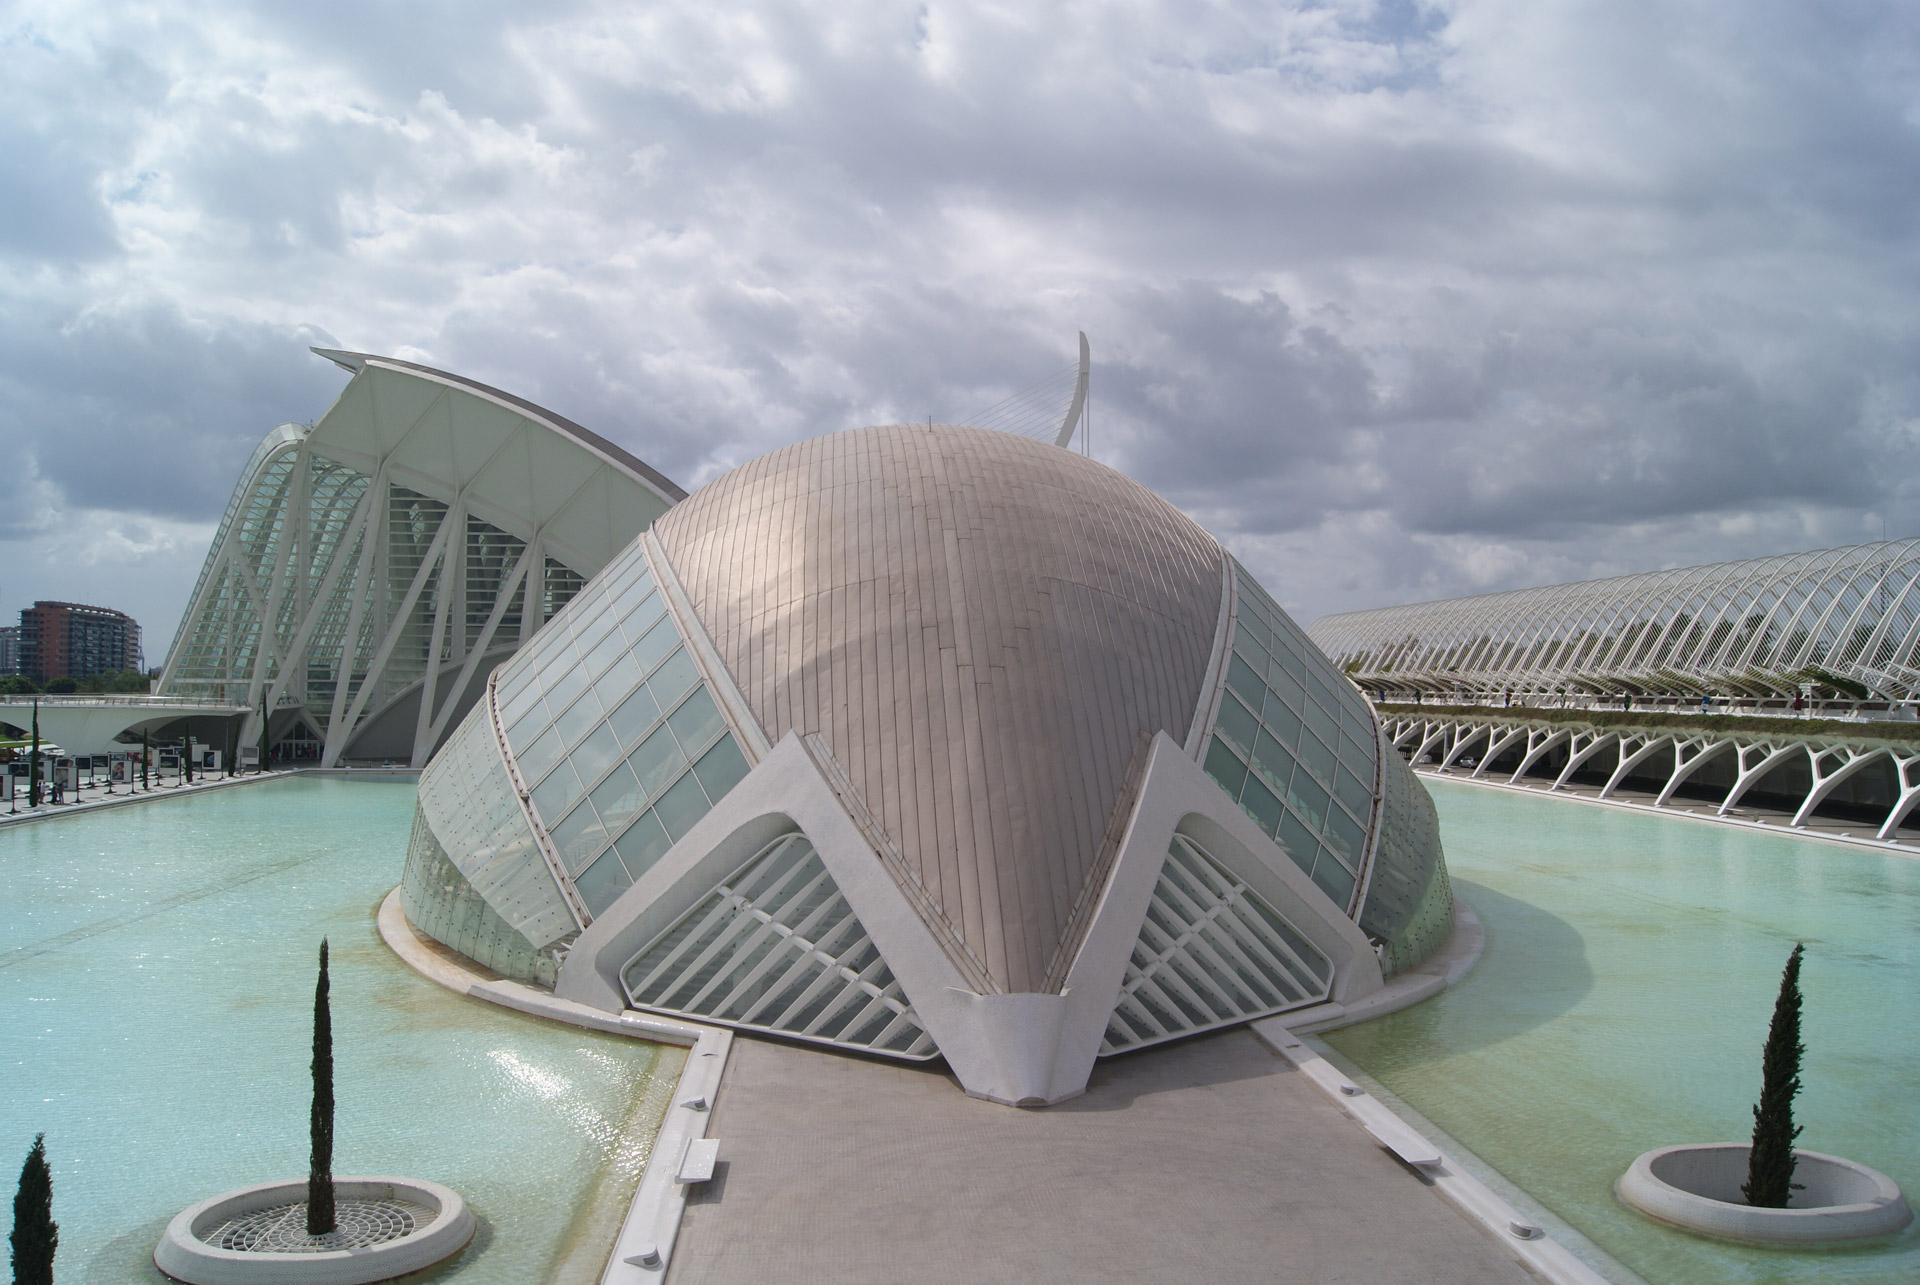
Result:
1539,742
1704,748
1909,794
1497,745
1630,759
1770,757
1823,784
1469,736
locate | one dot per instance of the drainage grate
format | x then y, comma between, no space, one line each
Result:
282,1229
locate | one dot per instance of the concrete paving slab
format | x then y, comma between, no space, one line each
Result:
1211,1159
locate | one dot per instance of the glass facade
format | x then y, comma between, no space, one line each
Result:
1409,905
1295,745
777,947
618,742
1210,952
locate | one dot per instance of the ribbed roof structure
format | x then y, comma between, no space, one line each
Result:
1758,627
979,629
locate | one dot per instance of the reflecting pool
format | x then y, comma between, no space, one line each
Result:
1622,1001
156,998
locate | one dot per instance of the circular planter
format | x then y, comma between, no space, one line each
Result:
387,1227
1697,1188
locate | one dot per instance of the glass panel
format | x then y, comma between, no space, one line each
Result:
655,645
1236,724
1261,804
696,722
523,732
1356,757
617,681
514,710
569,685
1254,654
573,724
721,768
587,633
540,756
641,618
1316,756
1334,879
643,844
682,805
556,660
1224,767
579,836
1308,799
1272,764
1345,836
1357,797
1285,685
674,679
1298,841
1290,662
1323,724
657,761
601,884
634,716
594,754
619,799
1243,681
557,793
1282,722
611,648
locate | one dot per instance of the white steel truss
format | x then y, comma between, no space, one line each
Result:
1756,628
1210,953
776,947
371,569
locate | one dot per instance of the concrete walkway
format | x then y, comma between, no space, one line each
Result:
1207,1160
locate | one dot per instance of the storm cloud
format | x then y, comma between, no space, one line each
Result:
1401,300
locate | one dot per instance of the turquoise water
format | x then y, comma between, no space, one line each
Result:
1622,1001
156,992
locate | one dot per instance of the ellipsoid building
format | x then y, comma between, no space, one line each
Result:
930,741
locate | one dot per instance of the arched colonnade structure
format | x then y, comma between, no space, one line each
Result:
1845,619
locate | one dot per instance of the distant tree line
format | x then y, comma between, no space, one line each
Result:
127,681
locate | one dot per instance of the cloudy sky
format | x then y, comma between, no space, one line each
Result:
1400,300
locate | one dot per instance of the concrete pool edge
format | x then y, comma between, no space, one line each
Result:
1445,967
1750,824
158,793
644,1247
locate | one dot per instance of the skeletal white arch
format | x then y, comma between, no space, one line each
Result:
1759,627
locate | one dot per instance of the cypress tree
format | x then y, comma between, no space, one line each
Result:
186,757
145,753
35,1234
320,1215
264,740
1770,1160
33,763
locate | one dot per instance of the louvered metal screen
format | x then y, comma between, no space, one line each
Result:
776,947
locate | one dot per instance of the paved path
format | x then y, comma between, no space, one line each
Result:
1208,1160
